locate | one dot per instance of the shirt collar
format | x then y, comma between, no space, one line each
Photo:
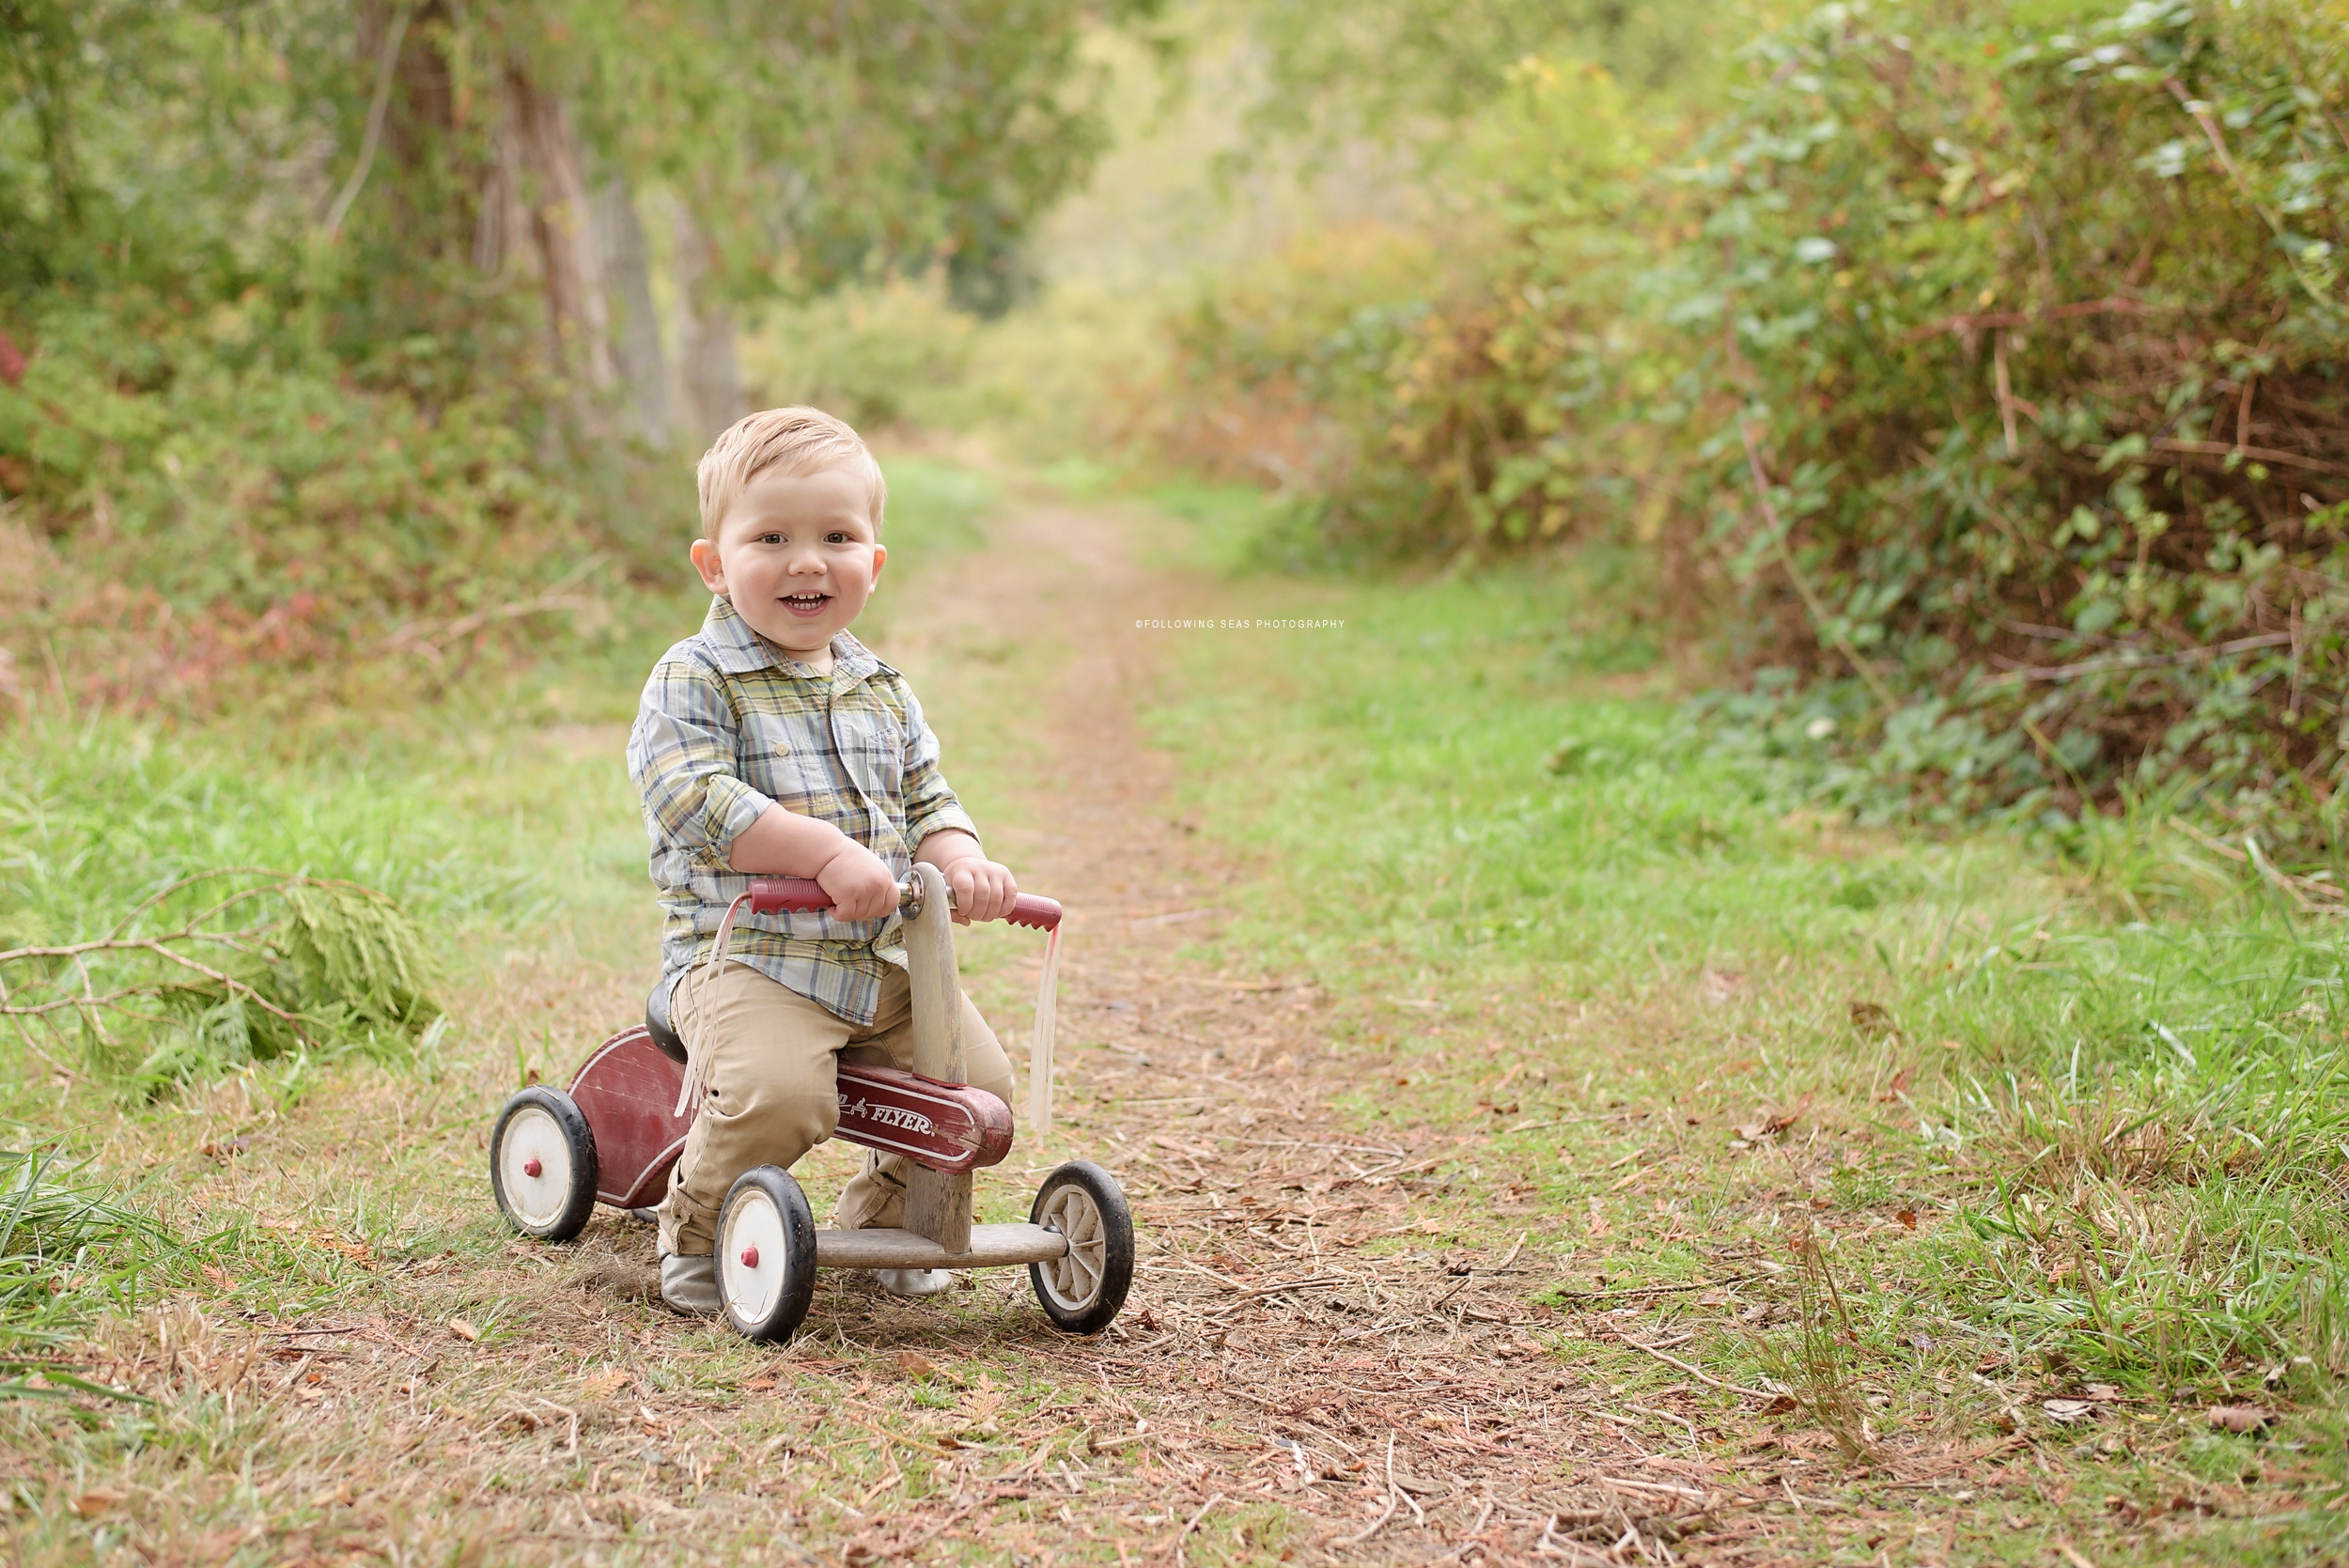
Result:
741,650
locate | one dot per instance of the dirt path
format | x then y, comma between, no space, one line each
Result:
1311,1365
1386,1407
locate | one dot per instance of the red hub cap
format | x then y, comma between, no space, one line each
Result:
532,1168
750,1257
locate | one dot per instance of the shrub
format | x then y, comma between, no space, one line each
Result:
1990,367
876,355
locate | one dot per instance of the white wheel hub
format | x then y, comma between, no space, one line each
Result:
1073,1280
534,1167
753,1255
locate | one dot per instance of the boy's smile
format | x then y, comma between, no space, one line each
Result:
797,555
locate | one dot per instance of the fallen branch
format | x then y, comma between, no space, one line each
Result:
153,945
1699,1373
1657,1290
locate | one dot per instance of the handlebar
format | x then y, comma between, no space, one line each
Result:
802,894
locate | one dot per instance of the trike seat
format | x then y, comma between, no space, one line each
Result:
657,1023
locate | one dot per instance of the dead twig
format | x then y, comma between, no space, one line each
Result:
1317,1283
1699,1373
1820,621
1657,1290
2302,888
1387,1512
1960,325
2128,661
431,639
1181,1534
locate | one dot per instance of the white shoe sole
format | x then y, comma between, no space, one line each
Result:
913,1283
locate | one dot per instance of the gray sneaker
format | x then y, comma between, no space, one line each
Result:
690,1283
910,1282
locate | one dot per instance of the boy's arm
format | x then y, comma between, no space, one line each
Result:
943,834
781,843
682,755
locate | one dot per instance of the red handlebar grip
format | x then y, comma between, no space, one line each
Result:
800,893
1041,914
804,895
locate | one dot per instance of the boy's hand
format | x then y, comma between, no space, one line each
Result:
859,884
982,889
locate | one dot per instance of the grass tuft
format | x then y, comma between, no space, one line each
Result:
67,1252
1823,1366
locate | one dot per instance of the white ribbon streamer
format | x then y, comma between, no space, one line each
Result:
1040,1049
689,1093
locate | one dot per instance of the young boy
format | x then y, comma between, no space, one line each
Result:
773,743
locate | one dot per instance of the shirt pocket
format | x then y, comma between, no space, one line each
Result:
782,756
873,746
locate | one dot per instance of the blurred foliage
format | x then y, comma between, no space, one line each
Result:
2024,333
312,317
853,138
1391,68
886,353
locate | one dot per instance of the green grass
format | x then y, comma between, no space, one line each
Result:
339,845
2100,1074
68,1253
2058,1120
168,912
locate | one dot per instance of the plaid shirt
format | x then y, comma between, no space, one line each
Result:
729,726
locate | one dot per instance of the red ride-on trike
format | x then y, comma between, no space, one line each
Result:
613,1136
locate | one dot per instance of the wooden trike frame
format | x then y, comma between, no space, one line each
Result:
615,1134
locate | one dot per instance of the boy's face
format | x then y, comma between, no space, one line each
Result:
797,555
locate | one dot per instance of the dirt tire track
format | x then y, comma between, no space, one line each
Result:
1419,1366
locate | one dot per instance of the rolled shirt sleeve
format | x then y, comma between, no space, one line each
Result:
682,755
930,801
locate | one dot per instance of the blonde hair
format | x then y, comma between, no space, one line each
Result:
797,440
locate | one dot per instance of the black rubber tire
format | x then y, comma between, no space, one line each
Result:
767,1300
556,1213
1086,1298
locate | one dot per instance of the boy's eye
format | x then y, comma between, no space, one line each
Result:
770,539
835,537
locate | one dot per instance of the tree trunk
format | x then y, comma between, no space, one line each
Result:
562,225
499,221
636,340
711,376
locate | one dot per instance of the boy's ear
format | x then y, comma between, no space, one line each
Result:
880,559
707,562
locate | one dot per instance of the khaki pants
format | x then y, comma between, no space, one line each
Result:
767,1059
